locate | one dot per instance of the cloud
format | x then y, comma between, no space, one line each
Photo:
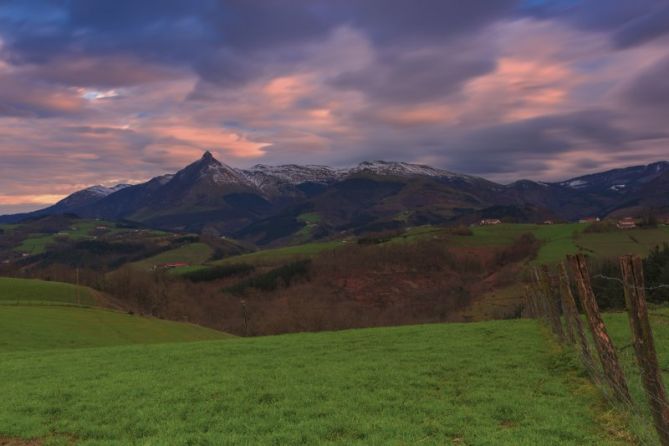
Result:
407,75
32,99
650,89
101,72
643,28
114,91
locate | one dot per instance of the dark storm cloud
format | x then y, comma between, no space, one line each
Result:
408,75
651,88
644,27
510,147
629,23
389,21
220,39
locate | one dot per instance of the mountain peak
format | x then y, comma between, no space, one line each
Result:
208,158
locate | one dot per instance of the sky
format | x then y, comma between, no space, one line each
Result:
115,91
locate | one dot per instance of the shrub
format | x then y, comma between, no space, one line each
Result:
600,227
608,290
377,238
525,246
656,272
461,230
271,280
648,221
218,272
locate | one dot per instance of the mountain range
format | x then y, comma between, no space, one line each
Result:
275,204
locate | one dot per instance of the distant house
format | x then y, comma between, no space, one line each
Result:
626,223
490,221
589,220
548,222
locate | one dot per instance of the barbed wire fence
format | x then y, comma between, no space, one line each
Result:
628,376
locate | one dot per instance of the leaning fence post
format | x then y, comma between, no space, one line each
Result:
573,318
644,346
568,315
539,300
530,304
607,353
543,279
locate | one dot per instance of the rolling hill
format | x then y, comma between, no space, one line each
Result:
62,327
32,291
45,315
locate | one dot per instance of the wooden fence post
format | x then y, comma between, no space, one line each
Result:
543,278
644,345
538,300
607,354
573,318
568,316
529,304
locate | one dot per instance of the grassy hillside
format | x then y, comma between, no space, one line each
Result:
34,291
36,243
192,253
488,383
44,327
271,255
634,241
562,239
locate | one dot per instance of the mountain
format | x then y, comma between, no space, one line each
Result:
614,192
70,204
287,203
84,197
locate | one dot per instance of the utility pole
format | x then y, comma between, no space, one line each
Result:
77,288
246,322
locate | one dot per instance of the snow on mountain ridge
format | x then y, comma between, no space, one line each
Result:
398,168
103,191
292,173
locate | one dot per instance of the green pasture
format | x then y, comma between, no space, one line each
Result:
501,383
285,253
33,291
63,327
192,253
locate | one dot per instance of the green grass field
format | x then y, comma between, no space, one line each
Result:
500,383
35,244
62,327
634,241
562,239
192,253
618,327
276,254
33,291
559,240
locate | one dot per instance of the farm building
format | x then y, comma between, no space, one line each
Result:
626,223
589,220
170,265
490,221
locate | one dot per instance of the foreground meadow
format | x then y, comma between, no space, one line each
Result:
485,383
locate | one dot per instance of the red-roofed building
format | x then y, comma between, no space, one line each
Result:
626,223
